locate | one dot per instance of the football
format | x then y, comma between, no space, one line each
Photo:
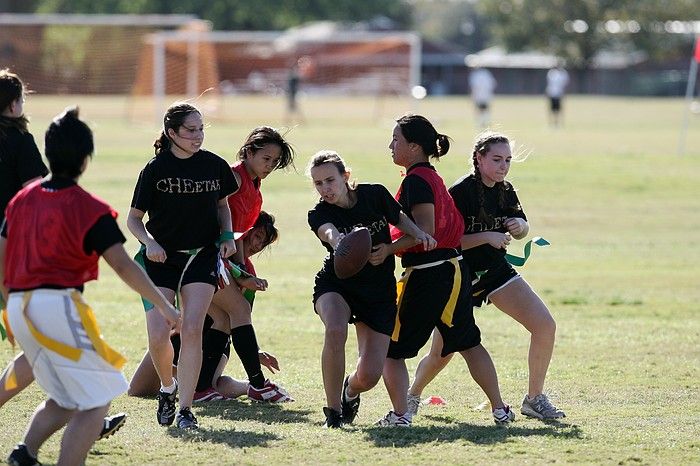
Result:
352,253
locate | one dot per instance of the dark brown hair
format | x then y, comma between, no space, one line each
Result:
418,130
332,157
67,143
11,89
174,117
267,135
481,147
266,221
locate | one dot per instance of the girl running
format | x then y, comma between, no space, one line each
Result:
20,165
367,299
182,187
50,246
434,291
492,215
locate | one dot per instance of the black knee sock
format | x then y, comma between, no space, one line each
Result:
213,347
246,346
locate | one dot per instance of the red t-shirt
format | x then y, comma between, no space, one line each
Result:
45,234
449,224
246,203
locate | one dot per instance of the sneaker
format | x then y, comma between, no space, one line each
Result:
207,395
111,425
349,407
20,457
186,420
541,408
166,407
270,393
503,415
334,419
413,402
394,420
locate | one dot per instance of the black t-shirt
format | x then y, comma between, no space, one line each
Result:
181,198
375,209
466,197
20,161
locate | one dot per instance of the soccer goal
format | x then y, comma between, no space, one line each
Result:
329,61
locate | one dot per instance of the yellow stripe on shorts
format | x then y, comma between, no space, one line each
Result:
87,319
447,312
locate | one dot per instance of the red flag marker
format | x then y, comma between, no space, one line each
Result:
435,401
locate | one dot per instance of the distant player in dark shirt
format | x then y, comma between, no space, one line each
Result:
367,299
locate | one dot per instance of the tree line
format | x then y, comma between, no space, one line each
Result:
574,30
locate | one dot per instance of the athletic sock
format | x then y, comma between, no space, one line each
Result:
170,389
213,347
347,397
246,346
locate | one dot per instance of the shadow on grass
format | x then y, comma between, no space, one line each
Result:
266,413
234,410
231,437
463,432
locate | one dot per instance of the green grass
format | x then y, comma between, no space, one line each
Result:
621,278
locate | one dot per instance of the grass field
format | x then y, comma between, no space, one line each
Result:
621,278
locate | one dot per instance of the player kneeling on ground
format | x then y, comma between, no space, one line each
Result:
51,242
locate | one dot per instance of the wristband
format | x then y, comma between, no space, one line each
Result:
225,236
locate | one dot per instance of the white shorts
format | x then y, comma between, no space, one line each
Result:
87,383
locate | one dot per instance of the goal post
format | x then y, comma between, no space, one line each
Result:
330,61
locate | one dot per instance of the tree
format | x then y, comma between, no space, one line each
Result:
242,14
578,29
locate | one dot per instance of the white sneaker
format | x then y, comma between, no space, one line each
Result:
503,415
413,402
394,420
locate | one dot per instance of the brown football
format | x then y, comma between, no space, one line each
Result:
352,252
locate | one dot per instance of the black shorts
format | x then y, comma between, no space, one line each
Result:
181,268
555,104
376,309
482,106
492,280
426,293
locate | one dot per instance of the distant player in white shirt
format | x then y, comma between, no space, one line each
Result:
482,84
557,79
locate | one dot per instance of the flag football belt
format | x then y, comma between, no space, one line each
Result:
87,319
236,271
3,333
448,311
139,259
516,260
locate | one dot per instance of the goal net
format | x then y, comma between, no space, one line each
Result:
328,61
79,54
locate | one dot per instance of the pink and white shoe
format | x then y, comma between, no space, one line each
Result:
207,395
270,393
